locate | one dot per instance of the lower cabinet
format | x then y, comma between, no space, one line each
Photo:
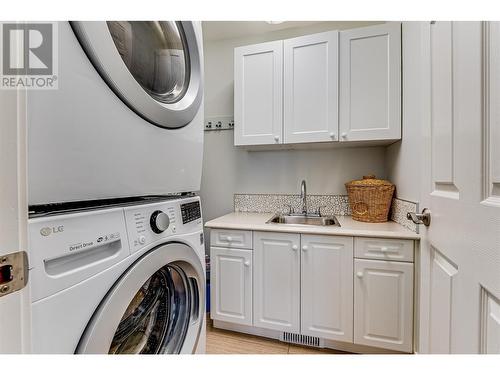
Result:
383,304
276,294
231,285
326,287
317,286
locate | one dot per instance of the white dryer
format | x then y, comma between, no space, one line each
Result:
122,279
127,117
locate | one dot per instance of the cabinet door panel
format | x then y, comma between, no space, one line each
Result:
370,83
383,304
277,281
311,88
327,291
258,91
231,285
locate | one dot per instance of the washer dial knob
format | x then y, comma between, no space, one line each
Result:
159,221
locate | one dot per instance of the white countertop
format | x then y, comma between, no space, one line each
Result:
348,226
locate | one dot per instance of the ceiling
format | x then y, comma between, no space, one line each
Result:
218,30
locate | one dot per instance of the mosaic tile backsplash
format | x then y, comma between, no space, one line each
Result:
398,212
330,205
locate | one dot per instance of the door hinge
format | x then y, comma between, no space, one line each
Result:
13,272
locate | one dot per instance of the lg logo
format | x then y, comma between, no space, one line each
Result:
46,231
27,49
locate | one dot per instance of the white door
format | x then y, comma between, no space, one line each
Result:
276,272
15,307
326,287
370,83
231,285
383,304
258,91
311,88
460,250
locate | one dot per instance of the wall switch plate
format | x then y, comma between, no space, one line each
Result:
219,123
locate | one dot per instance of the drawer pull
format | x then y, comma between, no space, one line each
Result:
294,247
359,274
304,248
247,264
384,249
229,239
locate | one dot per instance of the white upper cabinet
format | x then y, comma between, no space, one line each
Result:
327,290
258,94
311,88
327,87
370,83
276,297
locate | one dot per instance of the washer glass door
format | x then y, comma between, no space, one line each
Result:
157,318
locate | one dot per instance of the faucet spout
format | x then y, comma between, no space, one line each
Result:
303,196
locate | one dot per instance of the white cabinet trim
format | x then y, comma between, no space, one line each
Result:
272,129
390,126
373,324
310,115
326,287
239,285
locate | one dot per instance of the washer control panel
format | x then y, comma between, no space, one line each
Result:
152,222
159,221
190,212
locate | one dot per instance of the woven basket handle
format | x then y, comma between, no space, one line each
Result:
369,177
357,210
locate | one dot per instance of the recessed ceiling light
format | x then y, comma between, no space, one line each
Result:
274,22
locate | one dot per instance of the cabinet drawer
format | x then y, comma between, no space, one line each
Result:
383,249
241,239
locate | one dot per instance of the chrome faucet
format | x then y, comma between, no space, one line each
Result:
303,196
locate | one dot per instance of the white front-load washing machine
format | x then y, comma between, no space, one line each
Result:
127,116
128,278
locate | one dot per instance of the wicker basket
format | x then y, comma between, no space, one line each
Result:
370,199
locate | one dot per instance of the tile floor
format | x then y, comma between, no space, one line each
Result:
227,342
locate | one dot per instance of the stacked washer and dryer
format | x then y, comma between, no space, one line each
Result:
114,158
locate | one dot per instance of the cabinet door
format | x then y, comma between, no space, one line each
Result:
383,304
258,107
327,292
277,281
231,285
370,83
311,88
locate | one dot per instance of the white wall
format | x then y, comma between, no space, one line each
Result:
403,158
228,170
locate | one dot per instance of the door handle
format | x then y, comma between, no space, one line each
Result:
423,218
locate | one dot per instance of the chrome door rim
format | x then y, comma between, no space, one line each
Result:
97,42
101,329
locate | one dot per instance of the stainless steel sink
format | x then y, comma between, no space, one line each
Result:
304,220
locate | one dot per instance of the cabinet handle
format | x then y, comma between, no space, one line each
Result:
247,264
304,248
229,239
332,136
276,138
344,135
383,249
294,247
359,274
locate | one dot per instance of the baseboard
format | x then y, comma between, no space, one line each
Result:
272,334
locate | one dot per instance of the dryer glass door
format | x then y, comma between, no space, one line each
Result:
157,318
155,52
155,67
